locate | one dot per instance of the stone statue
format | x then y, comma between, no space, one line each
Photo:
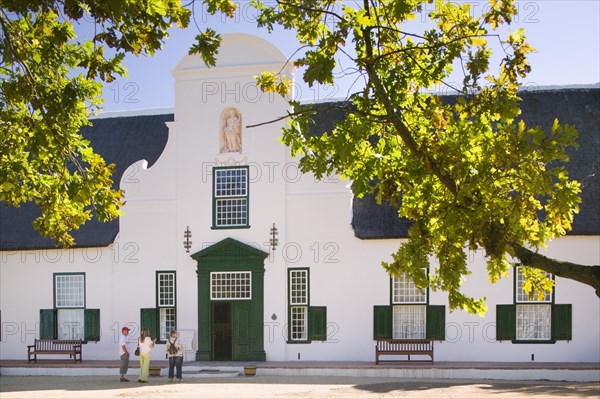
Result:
231,131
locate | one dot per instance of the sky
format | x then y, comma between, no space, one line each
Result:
565,34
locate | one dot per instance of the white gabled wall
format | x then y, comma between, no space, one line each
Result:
314,223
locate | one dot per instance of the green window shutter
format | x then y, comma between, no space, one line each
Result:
91,319
436,322
317,323
382,322
562,322
506,322
48,324
149,320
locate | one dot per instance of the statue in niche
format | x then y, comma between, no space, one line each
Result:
231,131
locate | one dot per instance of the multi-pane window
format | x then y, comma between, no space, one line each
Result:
533,318
298,300
409,309
231,197
165,282
230,285
69,302
533,315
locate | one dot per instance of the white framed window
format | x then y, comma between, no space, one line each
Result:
230,285
167,322
534,322
534,315
230,197
298,301
523,296
298,323
409,309
298,286
69,302
166,289
409,321
69,290
166,303
404,290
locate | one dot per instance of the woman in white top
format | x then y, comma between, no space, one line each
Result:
146,344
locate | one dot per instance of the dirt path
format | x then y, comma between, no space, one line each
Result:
289,387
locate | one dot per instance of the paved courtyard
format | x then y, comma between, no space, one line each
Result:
288,387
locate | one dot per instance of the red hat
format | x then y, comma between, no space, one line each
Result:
125,329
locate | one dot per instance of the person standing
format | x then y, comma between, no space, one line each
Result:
175,353
145,344
124,354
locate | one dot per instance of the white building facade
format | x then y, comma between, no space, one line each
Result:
319,294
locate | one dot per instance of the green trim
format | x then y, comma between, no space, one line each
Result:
149,320
91,331
48,324
382,322
562,322
506,322
435,322
230,255
214,198
317,323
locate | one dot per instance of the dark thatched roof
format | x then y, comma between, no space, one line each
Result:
577,107
126,140
122,141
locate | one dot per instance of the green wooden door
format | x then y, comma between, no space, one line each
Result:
241,345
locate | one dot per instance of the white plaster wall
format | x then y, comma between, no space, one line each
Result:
313,219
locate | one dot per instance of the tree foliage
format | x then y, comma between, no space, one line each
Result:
51,84
466,171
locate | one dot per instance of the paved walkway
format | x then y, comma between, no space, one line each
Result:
289,387
583,372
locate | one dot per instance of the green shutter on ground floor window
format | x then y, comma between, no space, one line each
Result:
91,325
149,320
48,324
506,322
436,322
317,323
562,322
382,322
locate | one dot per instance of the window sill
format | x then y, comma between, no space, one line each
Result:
550,341
229,227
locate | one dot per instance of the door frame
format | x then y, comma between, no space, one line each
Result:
230,255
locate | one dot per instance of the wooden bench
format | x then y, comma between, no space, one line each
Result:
404,347
71,347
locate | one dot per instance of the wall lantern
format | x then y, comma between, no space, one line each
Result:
274,241
187,244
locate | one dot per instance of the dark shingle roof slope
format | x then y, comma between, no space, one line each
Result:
120,140
126,140
577,107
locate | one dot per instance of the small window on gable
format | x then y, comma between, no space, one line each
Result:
231,197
